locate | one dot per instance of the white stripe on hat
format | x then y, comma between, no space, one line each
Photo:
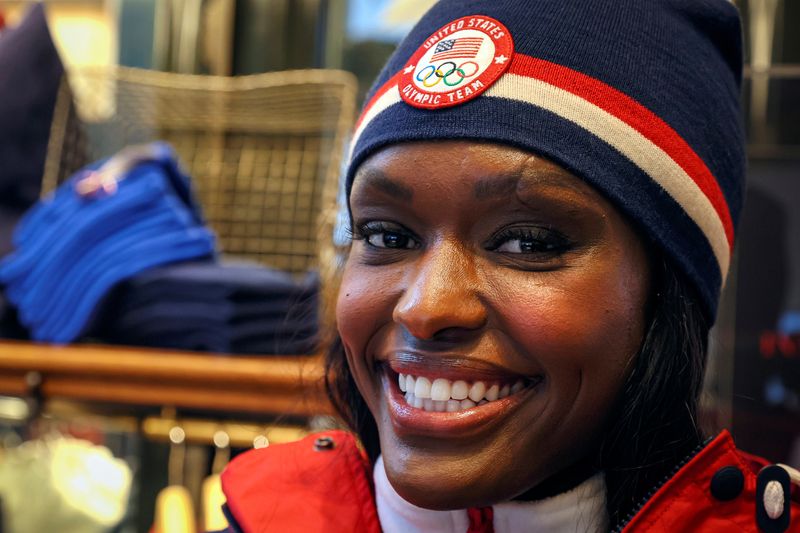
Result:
646,155
388,98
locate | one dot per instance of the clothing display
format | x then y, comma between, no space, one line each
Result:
104,225
322,483
218,307
30,74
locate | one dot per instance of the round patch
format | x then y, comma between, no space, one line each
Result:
457,63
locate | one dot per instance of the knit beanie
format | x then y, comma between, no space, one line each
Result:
640,98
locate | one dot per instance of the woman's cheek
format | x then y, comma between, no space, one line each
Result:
583,325
364,305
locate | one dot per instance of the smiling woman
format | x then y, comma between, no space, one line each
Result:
524,281
543,197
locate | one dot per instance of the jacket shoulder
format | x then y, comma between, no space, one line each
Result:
720,489
320,483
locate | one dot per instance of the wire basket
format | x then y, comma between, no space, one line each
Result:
264,151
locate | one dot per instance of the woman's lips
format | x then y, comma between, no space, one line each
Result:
474,404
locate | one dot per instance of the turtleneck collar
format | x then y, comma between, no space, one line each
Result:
581,509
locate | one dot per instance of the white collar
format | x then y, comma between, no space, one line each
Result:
581,509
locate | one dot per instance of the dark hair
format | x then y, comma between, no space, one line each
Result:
652,427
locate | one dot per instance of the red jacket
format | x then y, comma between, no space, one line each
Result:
323,483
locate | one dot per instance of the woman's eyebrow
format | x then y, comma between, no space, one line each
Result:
486,188
376,179
520,183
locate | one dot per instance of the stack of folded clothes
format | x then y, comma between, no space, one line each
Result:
10,328
218,307
105,225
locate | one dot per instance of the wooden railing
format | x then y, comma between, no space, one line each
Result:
278,385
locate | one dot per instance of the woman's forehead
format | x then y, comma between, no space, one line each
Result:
489,171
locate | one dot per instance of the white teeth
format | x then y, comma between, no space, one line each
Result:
422,387
440,390
493,392
410,383
459,390
477,391
442,395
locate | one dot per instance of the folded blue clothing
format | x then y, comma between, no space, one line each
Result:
156,157
81,272
162,250
10,328
109,222
232,276
128,303
222,307
57,272
66,237
195,314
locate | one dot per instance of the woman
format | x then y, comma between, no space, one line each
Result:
543,199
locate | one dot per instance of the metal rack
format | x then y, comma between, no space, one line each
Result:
264,151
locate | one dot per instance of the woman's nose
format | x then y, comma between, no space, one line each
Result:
442,294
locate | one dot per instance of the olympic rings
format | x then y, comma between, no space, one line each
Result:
460,73
477,68
437,79
439,72
433,69
439,75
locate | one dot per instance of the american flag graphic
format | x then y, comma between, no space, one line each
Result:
463,47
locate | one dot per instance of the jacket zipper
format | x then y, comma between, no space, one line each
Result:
622,525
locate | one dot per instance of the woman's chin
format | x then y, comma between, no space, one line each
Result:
445,486
440,498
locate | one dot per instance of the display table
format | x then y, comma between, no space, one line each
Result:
278,385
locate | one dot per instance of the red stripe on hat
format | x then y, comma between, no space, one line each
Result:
635,115
391,82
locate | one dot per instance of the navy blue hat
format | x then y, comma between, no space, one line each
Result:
638,98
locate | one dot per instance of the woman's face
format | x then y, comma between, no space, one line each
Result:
483,271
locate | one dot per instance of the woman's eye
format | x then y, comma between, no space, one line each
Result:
529,241
390,239
524,246
382,235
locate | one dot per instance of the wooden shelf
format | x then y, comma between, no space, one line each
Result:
279,385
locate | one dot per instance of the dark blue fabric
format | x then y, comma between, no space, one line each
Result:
72,249
30,73
233,527
10,328
681,59
219,307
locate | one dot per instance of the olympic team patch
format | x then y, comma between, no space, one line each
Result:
457,63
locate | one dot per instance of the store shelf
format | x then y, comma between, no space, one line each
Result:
277,385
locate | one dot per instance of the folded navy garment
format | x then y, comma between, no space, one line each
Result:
218,307
10,328
106,224
30,74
